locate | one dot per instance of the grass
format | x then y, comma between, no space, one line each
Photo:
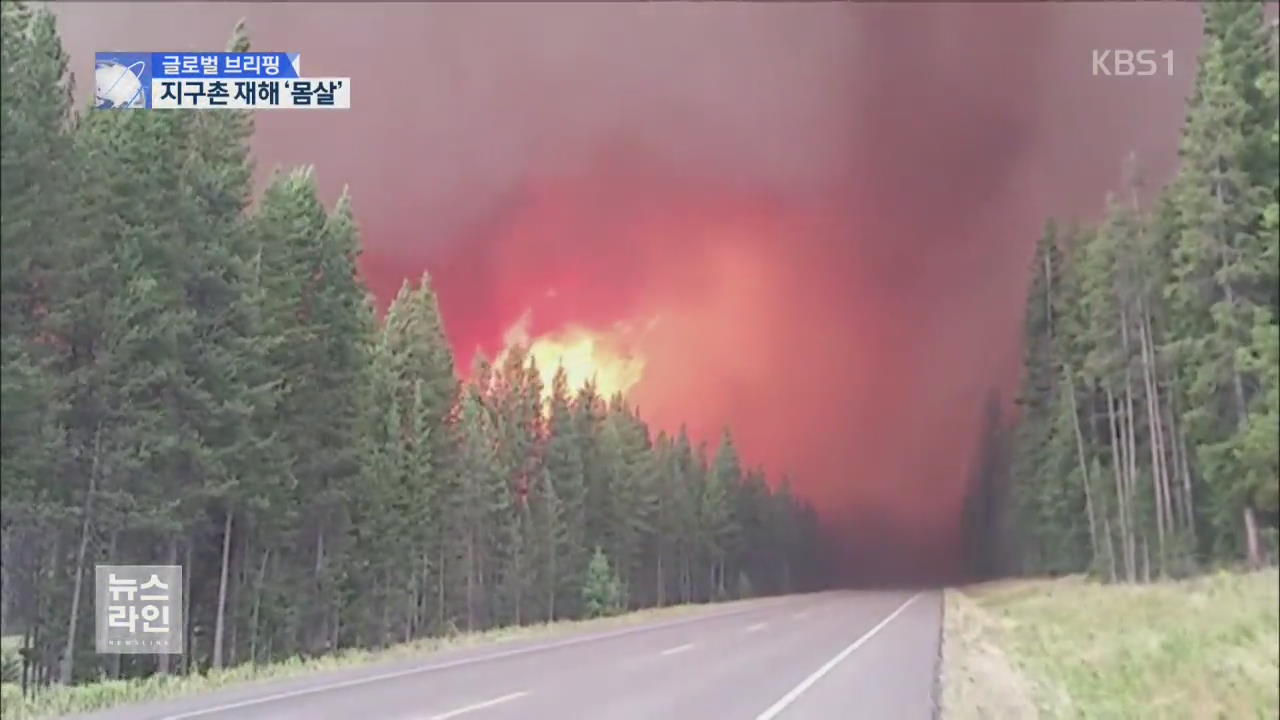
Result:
1199,649
60,700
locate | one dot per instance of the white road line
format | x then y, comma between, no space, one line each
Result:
466,661
757,626
677,649
808,682
478,706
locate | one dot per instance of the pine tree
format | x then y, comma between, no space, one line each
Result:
549,542
422,377
37,170
719,526
482,508
601,592
566,473
1221,279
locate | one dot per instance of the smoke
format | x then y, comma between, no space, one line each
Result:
826,211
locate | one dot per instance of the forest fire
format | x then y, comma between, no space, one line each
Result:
612,310
606,359
838,253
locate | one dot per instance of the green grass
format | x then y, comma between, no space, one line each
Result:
89,697
1198,649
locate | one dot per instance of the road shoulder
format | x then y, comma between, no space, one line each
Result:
979,680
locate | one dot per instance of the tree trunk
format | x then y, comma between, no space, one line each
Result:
86,526
471,582
1084,465
1111,549
220,618
1117,454
1180,451
257,606
1153,431
335,623
686,580
661,582
44,659
237,583
1178,503
189,657
384,621
171,558
1131,454
1237,383
1161,435
424,604
28,647
553,578
114,673
1146,560
1252,551
410,603
319,631
440,597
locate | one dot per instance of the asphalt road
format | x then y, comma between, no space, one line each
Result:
842,654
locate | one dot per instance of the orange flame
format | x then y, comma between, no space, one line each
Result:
606,357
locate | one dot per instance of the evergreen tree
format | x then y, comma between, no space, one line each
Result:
601,592
566,477
720,528
1165,326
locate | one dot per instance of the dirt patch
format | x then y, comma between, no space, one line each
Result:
979,681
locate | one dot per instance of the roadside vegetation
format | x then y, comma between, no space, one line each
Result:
1198,649
1145,454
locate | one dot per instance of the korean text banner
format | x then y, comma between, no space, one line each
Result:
197,81
225,65
251,94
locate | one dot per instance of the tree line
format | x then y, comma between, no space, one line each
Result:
1146,444
194,379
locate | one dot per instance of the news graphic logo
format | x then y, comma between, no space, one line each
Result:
121,81
138,609
214,81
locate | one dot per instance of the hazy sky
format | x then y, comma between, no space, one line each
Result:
831,207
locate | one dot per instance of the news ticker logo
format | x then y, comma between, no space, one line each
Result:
138,609
212,81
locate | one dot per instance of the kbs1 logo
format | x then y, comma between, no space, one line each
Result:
212,81
1132,63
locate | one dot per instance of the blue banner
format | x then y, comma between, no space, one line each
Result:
123,79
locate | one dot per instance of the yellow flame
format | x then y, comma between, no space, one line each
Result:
584,354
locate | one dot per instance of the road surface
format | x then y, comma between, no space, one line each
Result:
840,654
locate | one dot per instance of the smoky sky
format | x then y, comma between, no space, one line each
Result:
828,209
